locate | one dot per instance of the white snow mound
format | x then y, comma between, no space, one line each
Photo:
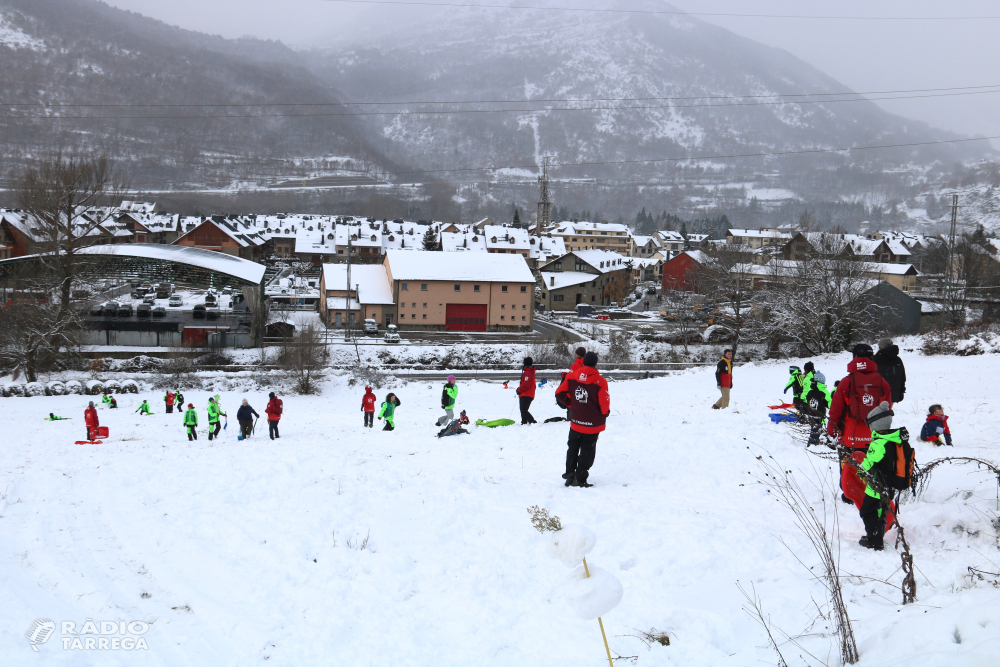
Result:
594,596
571,544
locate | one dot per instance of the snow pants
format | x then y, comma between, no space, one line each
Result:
170,408
871,514
581,449
449,414
245,427
272,428
389,426
369,419
213,429
192,433
723,402
525,403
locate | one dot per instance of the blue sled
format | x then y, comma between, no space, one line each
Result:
777,418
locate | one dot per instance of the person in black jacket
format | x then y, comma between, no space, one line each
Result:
243,416
890,366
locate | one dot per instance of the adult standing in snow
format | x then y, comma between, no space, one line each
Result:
191,422
245,417
724,379
526,390
389,412
449,395
168,400
90,420
368,406
891,367
273,411
585,394
856,395
213,419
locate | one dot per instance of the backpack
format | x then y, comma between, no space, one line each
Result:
896,467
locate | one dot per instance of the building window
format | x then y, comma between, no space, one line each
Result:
425,305
413,305
524,288
458,288
402,304
501,317
403,286
524,306
503,305
523,318
425,316
503,289
557,297
475,288
413,316
423,287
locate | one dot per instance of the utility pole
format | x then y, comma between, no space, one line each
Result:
950,287
347,299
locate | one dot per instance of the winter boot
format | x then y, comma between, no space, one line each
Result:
877,546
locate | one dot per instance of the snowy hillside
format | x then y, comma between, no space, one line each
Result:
336,545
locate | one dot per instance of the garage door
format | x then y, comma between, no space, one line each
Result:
465,317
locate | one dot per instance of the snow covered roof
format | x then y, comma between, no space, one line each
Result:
892,269
559,279
489,267
371,281
697,255
237,267
758,233
591,227
463,242
602,260
337,303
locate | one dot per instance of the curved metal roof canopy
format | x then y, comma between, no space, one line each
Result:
132,257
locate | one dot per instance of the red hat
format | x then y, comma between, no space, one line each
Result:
191,405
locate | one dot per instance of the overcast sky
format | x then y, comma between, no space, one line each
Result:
864,55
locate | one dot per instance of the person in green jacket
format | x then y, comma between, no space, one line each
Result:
213,419
880,422
179,401
106,398
389,412
191,422
795,384
143,408
448,397
814,400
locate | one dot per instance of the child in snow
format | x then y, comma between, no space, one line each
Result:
91,420
168,400
53,418
455,427
213,419
368,407
936,427
795,379
273,411
243,416
143,408
389,411
526,390
106,399
191,422
179,401
112,404
448,397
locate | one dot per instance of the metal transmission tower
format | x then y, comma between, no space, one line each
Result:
954,301
544,217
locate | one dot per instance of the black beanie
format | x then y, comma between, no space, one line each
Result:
863,350
808,367
528,361
580,351
271,395
590,360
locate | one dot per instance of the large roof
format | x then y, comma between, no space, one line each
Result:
560,279
488,267
237,267
371,281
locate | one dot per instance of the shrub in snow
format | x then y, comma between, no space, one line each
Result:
74,387
593,596
34,389
130,387
571,544
95,387
13,390
55,388
112,387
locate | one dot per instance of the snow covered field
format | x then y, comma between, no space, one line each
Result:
337,545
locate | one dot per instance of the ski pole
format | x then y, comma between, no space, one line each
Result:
254,429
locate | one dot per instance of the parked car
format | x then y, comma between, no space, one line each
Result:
125,310
149,298
211,300
159,311
175,301
212,313
111,309
199,311
80,294
162,293
143,310
97,309
391,336
371,326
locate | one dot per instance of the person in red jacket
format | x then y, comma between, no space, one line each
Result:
857,394
273,410
368,407
91,421
526,390
578,361
585,393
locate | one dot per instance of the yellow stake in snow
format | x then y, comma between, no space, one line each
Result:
603,636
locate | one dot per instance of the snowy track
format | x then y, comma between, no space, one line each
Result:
337,545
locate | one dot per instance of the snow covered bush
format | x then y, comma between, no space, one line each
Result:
13,390
592,596
963,341
55,388
95,387
130,387
112,387
34,389
74,387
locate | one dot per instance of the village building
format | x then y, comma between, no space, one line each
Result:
369,297
590,277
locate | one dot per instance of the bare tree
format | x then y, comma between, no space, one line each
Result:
305,356
66,199
619,285
729,279
36,336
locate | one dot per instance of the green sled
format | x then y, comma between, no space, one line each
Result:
494,423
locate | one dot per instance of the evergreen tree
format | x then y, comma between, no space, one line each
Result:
517,219
684,234
430,239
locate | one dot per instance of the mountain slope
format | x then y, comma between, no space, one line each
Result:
472,54
80,51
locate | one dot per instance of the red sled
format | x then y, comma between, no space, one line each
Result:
96,432
87,442
783,406
854,487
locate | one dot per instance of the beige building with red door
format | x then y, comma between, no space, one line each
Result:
461,291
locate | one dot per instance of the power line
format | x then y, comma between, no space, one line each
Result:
673,13
567,100
453,112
